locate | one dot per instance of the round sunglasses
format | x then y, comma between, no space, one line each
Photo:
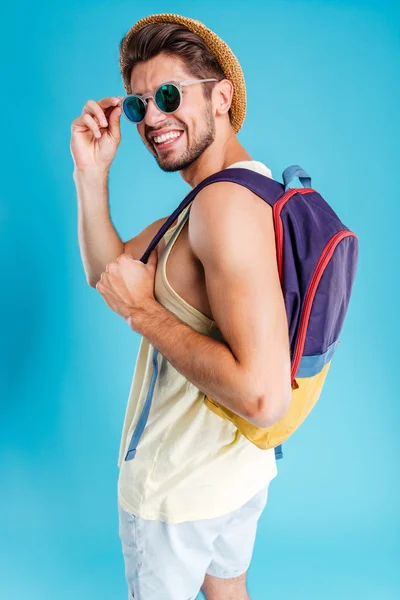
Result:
168,98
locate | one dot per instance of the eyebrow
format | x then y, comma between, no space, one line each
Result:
156,88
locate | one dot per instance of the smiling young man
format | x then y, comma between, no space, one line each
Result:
208,306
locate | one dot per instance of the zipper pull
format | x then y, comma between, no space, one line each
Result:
295,385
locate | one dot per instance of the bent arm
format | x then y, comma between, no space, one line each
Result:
207,363
231,232
99,242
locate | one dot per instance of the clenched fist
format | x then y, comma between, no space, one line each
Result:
127,286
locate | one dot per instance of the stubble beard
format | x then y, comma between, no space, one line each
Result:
198,145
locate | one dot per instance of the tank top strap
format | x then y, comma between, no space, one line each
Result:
173,230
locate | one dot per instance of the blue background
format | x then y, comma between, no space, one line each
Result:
323,92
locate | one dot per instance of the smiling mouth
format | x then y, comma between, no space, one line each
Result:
168,143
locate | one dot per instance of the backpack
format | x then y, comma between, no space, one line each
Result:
317,259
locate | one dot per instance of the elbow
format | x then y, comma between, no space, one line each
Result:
269,410
93,278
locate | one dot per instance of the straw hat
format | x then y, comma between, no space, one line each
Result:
224,55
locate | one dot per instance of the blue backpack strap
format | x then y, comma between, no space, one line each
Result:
278,452
290,174
141,424
265,187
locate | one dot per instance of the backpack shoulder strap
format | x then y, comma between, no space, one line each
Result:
268,189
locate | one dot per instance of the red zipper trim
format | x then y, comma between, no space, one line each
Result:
312,288
277,209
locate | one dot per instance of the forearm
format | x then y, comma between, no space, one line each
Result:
98,240
207,363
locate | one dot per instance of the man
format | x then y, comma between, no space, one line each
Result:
213,324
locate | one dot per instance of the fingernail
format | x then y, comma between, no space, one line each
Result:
98,134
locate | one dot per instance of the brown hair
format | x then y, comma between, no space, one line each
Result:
173,40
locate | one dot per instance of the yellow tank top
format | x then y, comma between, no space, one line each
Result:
190,464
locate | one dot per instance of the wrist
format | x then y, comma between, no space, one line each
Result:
92,173
140,319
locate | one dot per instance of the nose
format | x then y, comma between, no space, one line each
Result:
153,114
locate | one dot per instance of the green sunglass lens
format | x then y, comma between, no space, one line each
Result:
134,109
168,98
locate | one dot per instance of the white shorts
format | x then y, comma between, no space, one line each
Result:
165,561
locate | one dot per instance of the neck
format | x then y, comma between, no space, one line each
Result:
224,151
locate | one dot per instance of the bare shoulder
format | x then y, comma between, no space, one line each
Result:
230,214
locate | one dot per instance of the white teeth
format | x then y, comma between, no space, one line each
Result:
170,135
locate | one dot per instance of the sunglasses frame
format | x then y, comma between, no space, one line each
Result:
152,95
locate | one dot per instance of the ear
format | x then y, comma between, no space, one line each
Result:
223,96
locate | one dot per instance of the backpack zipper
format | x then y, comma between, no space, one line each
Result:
277,209
312,288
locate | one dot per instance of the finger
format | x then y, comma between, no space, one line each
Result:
124,256
109,267
91,124
94,109
114,122
103,287
104,105
109,102
104,278
104,293
109,297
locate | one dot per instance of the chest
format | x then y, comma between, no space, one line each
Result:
185,272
